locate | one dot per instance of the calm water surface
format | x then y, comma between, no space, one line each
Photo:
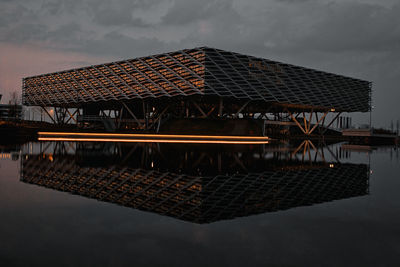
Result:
108,204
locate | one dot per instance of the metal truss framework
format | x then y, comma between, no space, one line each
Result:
306,125
204,72
195,198
152,116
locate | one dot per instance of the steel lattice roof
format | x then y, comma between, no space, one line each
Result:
200,71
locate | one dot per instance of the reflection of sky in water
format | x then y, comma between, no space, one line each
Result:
40,225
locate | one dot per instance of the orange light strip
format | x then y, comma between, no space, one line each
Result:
159,135
152,140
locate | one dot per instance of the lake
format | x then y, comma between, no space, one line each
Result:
279,204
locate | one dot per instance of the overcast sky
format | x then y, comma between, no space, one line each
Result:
358,38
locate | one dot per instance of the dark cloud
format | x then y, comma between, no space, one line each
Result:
184,12
50,7
352,26
112,17
117,13
11,14
293,1
128,47
286,26
24,32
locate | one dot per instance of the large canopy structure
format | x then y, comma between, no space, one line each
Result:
206,81
201,71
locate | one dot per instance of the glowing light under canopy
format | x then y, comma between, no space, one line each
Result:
193,141
180,136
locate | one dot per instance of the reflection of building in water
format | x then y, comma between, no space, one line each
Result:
200,187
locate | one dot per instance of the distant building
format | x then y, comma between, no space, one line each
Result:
10,111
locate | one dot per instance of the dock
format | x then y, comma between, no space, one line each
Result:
371,136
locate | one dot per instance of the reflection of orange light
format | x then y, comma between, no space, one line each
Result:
51,157
158,135
5,156
151,140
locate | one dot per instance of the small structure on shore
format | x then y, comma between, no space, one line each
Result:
371,136
12,111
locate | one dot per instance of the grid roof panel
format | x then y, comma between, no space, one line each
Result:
198,71
284,83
